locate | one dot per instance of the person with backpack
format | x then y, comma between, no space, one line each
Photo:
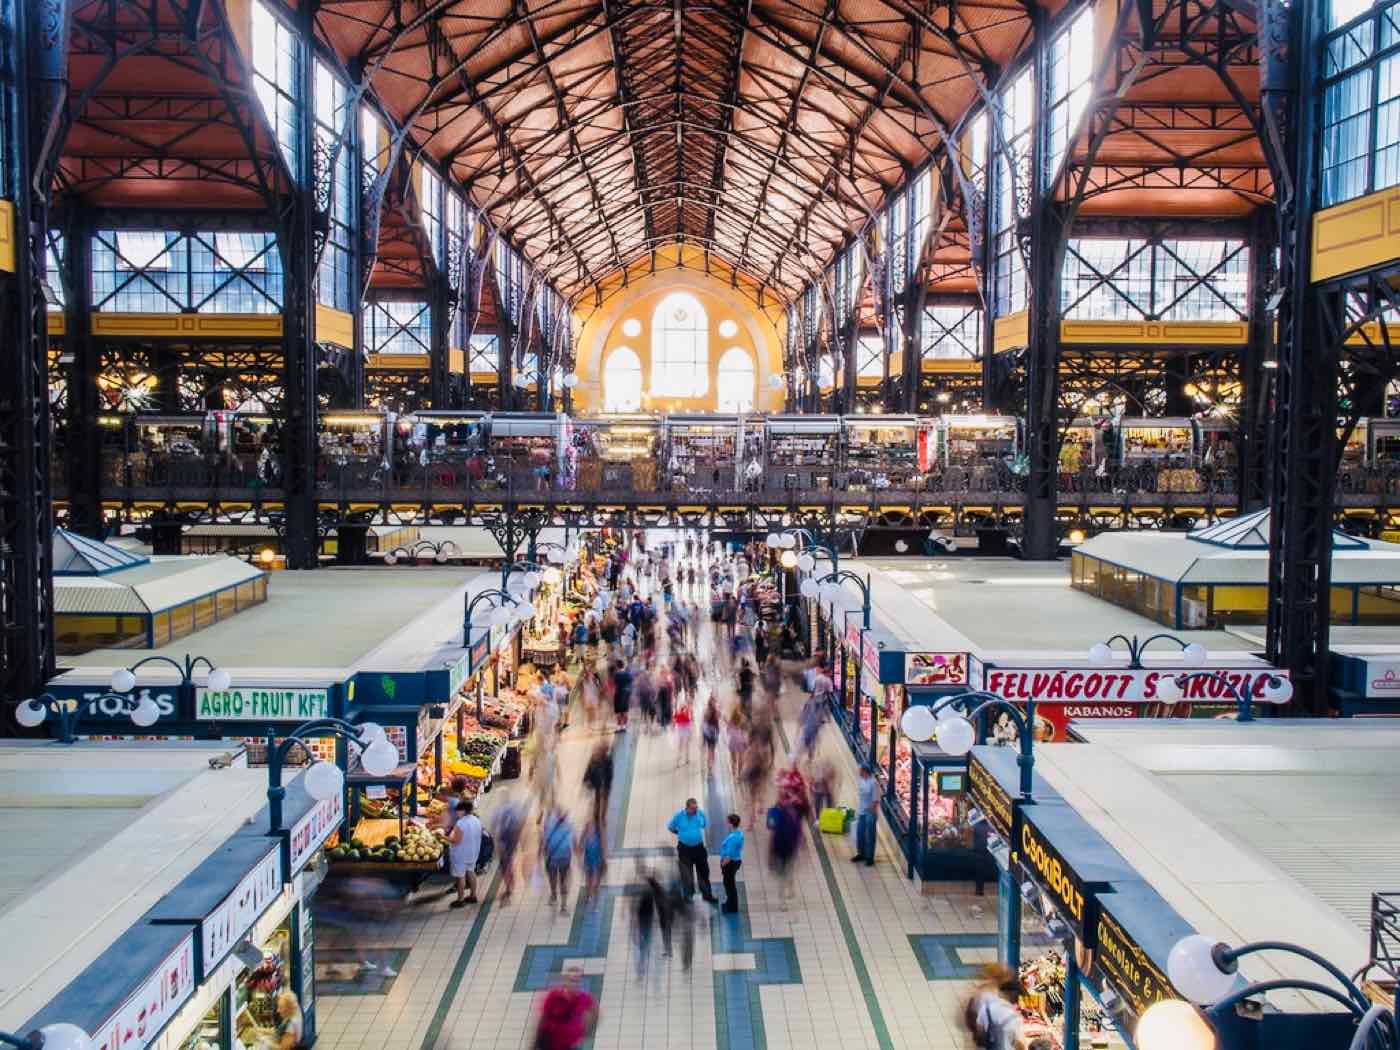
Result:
991,1015
463,851
598,778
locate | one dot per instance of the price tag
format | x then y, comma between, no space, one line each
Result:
376,791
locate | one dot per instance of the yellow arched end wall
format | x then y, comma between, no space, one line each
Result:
601,333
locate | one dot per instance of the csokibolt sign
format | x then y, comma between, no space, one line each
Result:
261,704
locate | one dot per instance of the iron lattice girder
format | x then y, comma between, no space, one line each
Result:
703,78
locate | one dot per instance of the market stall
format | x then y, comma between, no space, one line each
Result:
703,453
618,453
450,446
173,450
1161,451
356,452
802,452
882,452
1086,934
942,843
1082,448
524,450
972,442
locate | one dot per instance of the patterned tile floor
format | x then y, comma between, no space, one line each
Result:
860,959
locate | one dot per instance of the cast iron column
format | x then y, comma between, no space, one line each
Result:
35,122
1045,229
1256,381
1305,420
84,448
297,240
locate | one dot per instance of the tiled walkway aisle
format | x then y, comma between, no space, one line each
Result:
860,959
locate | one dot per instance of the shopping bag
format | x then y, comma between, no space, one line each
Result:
833,821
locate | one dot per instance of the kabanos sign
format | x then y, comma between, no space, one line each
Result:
1090,685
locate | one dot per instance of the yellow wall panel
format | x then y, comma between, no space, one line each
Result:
1011,331
1356,235
335,326
58,322
952,366
408,362
261,326
7,236
1193,333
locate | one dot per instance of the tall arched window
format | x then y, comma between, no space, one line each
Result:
622,381
680,347
736,381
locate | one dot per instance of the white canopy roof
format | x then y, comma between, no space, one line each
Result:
1183,558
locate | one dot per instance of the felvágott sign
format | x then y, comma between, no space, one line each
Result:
1126,685
261,704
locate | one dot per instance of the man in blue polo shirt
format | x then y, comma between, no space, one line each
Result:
689,828
731,855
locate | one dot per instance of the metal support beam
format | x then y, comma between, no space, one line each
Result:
297,242
1257,380
84,438
36,103
1045,255
1309,322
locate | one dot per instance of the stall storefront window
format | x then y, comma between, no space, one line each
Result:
208,1034
255,992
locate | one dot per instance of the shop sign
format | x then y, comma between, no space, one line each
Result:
1382,679
481,650
240,909
262,704
990,797
853,635
976,673
870,683
935,668
1130,970
870,654
313,829
1070,684
1053,873
457,674
141,1018
99,704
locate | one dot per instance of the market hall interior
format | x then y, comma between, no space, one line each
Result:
955,443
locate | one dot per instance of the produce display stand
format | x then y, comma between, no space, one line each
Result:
402,778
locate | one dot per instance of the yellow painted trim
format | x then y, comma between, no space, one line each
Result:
483,377
456,360
7,236
221,325
1011,331
1369,334
1356,235
952,366
335,326
1195,333
58,322
399,362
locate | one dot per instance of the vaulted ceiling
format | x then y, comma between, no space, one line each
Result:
594,131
